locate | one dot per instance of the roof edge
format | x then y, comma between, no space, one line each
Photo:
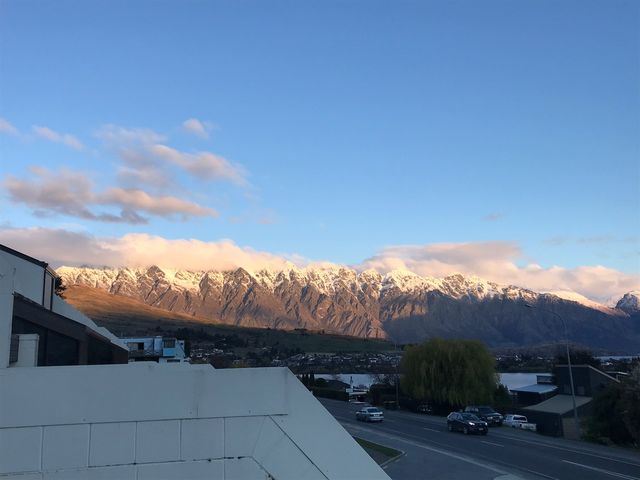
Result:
23,256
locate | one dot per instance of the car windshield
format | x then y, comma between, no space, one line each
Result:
469,416
372,410
520,419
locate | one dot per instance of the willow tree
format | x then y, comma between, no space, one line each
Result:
455,372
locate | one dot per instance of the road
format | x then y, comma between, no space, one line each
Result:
433,452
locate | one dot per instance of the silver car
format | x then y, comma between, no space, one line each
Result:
370,414
515,420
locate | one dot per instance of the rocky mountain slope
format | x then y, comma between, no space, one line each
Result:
630,302
400,305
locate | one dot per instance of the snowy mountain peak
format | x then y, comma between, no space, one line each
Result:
336,299
327,279
581,299
630,302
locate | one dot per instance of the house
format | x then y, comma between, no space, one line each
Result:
543,389
156,349
334,384
91,415
555,416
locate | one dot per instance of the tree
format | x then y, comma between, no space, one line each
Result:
606,424
502,399
631,405
388,379
615,412
455,372
59,287
578,357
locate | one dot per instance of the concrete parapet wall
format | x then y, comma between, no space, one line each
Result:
152,421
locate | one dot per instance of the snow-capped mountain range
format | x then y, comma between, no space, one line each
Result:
399,304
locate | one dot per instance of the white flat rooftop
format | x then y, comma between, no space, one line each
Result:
155,421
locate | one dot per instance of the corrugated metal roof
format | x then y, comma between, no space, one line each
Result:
560,404
536,388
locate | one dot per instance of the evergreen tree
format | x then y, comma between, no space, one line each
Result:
59,287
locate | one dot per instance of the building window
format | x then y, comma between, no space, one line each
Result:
169,343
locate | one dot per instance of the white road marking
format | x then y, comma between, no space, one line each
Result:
491,443
601,470
572,450
432,429
576,451
437,450
448,453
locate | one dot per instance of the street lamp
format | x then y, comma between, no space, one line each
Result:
566,342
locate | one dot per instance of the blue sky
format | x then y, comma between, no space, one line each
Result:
333,131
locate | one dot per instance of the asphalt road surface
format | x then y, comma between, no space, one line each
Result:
432,452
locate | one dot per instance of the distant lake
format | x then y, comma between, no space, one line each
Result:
355,379
517,380
509,380
618,357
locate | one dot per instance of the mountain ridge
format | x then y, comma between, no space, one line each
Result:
399,305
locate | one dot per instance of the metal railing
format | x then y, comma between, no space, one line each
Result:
151,352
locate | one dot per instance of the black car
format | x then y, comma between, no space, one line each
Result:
466,423
424,408
487,414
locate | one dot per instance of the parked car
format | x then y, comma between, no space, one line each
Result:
370,414
487,414
519,421
466,423
424,408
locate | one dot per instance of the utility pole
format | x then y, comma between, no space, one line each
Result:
566,343
397,379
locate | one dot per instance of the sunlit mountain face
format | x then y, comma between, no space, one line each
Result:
399,305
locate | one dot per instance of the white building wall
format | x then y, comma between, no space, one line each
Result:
16,276
7,276
152,421
27,277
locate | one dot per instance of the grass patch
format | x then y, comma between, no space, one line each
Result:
386,451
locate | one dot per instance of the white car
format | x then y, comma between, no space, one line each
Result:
370,414
519,421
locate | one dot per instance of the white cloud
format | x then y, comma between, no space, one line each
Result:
497,261
196,127
149,175
162,205
7,128
72,193
491,260
203,165
116,135
53,136
136,249
493,217
65,193
147,160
